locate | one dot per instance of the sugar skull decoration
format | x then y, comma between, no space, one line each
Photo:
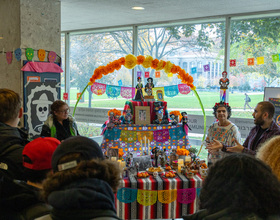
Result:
9,57
41,54
29,52
18,54
52,56
42,107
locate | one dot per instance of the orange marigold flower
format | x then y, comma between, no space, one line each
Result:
160,65
154,63
140,59
116,65
122,60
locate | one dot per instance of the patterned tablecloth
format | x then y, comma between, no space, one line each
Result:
159,210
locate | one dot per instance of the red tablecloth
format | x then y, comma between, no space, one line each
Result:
159,210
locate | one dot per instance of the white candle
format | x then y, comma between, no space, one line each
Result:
141,147
113,158
145,141
188,159
180,162
179,168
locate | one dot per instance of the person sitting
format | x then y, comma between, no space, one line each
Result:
12,139
60,124
239,186
20,200
221,132
269,153
82,184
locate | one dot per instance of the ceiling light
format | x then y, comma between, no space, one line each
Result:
137,8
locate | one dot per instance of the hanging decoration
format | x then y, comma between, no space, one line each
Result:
157,74
184,89
193,70
127,92
250,61
232,62
171,91
260,60
139,74
98,88
18,54
275,57
51,56
206,68
113,91
29,52
41,54
9,57
147,74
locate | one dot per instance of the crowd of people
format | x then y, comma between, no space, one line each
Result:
62,175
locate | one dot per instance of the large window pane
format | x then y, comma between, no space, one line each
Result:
253,39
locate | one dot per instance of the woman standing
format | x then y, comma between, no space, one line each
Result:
59,123
221,134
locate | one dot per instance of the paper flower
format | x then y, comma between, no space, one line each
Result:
168,67
147,62
154,63
140,59
160,65
130,61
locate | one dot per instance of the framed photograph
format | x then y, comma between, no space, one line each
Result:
160,95
143,162
113,152
142,115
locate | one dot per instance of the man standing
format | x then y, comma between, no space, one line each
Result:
265,128
12,139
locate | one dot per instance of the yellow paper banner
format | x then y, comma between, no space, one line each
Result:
260,60
128,136
167,196
158,88
146,197
142,134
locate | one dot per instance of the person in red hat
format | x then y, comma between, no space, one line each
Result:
19,199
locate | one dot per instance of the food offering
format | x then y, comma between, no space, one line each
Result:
151,170
142,174
170,174
168,168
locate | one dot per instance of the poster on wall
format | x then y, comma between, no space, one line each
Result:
40,91
276,103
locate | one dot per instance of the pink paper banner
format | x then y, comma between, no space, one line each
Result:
9,57
161,135
98,88
186,196
42,67
127,92
184,89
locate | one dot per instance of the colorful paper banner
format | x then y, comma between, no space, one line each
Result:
171,91
193,70
113,91
260,60
98,88
206,68
232,62
250,61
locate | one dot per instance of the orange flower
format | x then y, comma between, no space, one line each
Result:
160,65
116,65
122,60
154,63
175,69
147,62
140,59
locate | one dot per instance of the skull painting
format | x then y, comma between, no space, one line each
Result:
52,56
18,54
41,54
42,108
29,54
9,57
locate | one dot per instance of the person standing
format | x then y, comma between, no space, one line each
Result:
12,139
221,131
265,129
247,99
59,124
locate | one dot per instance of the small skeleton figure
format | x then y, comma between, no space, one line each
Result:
139,93
111,124
128,116
149,86
117,120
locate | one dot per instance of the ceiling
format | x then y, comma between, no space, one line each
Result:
93,14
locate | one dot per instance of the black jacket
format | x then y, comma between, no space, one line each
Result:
19,201
12,142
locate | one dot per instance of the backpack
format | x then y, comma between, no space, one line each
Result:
249,99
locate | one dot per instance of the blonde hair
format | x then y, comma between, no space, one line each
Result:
269,153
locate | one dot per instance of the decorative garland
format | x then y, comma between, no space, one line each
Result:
130,61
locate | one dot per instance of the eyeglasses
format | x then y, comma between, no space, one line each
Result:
65,111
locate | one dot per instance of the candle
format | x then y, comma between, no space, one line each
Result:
180,161
179,168
141,147
145,141
188,159
148,148
113,158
